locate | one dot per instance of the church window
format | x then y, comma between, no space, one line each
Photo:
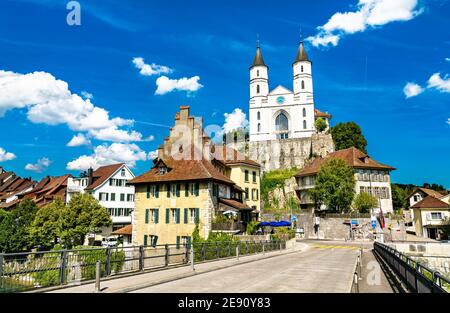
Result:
301,68
257,73
304,112
259,127
304,125
303,84
281,122
259,115
257,88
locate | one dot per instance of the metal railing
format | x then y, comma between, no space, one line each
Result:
33,270
416,276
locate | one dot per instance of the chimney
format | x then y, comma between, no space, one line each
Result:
184,112
90,175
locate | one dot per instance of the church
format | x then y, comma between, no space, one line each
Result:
282,113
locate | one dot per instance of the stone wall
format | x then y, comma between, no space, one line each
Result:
288,153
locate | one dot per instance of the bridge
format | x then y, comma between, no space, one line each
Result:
306,266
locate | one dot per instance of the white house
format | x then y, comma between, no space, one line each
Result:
109,185
282,113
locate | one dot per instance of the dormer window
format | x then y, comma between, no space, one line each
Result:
162,170
122,172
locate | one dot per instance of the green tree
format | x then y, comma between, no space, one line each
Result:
399,196
6,222
364,202
335,185
83,215
347,135
45,227
196,234
320,125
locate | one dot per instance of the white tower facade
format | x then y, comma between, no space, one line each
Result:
281,113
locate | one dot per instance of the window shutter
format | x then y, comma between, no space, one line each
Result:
186,215
178,242
146,216
167,216
145,240
178,190
178,216
186,190
157,191
197,215
156,216
148,191
155,241
168,190
196,189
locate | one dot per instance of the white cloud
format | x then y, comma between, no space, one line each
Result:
448,121
441,84
369,13
79,140
87,95
105,155
412,90
40,166
153,154
150,69
49,101
6,156
165,84
447,59
234,120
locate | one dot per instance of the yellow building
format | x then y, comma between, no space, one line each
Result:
193,181
429,216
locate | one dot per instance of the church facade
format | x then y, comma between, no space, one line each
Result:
282,113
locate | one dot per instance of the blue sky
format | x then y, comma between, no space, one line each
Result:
360,78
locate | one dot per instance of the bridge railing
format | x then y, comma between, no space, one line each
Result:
416,276
32,270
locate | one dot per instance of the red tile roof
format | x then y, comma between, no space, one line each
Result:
428,192
182,170
318,113
352,157
127,230
431,202
231,156
102,174
234,204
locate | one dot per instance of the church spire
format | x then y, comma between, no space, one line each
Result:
258,59
301,53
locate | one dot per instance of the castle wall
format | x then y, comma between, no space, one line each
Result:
287,153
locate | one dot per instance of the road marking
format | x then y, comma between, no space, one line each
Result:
319,246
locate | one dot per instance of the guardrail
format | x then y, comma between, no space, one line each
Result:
416,276
33,270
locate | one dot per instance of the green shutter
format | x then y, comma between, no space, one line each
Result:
178,242
186,190
156,216
146,216
178,188
167,216
157,191
178,216
145,240
148,191
196,189
197,215
168,190
186,216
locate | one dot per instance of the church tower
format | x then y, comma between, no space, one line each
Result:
259,76
302,68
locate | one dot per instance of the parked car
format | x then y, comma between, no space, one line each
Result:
109,242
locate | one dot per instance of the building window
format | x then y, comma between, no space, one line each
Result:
246,176
246,193
257,89
259,127
362,189
254,176
304,112
304,125
122,172
122,197
301,68
192,216
258,115
257,73
282,126
215,190
303,84
436,215
130,197
113,197
103,196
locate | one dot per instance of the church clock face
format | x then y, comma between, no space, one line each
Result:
280,100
